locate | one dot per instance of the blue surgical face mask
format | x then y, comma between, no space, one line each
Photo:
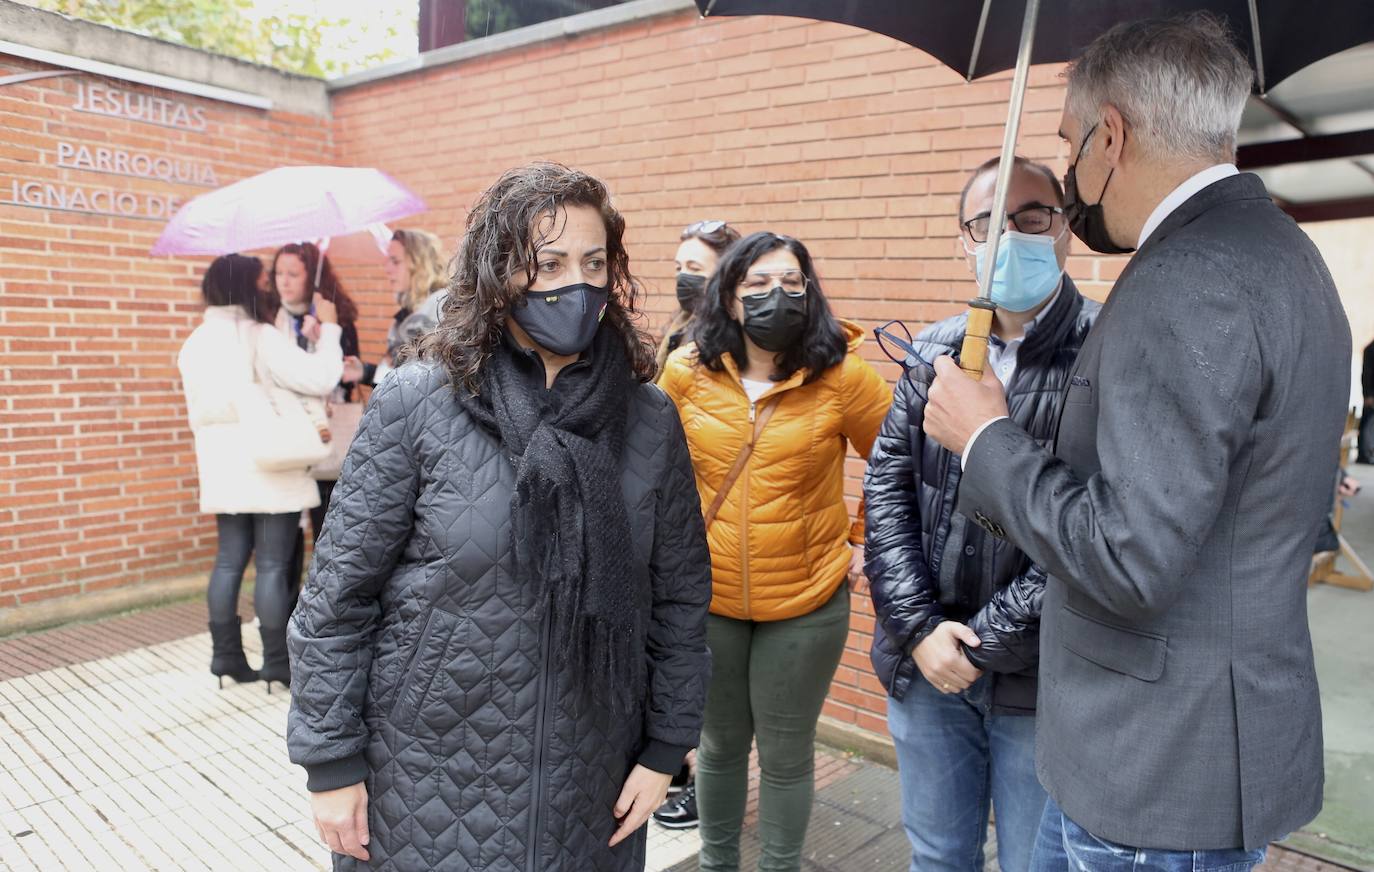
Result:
1027,272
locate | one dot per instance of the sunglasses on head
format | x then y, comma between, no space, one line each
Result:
704,228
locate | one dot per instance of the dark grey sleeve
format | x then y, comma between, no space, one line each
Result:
1178,389
330,634
680,571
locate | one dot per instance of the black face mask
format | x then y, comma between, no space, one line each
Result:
690,291
1088,223
775,321
564,320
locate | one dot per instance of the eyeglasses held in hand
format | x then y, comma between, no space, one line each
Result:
898,349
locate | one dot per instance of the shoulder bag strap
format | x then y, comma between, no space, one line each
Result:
733,475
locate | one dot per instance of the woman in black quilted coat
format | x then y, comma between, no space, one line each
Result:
500,657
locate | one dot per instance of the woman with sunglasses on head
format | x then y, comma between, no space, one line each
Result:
702,244
771,393
500,656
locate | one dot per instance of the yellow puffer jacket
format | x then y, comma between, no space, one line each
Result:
780,542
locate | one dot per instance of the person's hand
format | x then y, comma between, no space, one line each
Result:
1349,486
323,430
325,310
353,369
643,792
341,819
310,328
943,662
1369,402
958,405
857,580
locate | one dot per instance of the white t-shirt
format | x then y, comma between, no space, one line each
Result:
755,389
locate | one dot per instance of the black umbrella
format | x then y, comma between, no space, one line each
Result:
980,38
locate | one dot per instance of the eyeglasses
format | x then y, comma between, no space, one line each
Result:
1031,219
705,228
757,284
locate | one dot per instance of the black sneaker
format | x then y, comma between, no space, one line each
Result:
682,779
679,813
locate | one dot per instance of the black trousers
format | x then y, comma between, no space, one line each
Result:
267,538
1365,452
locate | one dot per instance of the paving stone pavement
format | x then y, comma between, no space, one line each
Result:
117,751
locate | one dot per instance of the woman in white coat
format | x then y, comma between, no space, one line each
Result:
257,512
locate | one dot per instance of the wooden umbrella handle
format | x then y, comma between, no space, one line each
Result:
973,357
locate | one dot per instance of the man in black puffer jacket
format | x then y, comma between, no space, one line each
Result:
958,610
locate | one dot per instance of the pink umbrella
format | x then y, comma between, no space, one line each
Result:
368,245
288,204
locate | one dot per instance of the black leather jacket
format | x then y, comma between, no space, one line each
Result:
927,563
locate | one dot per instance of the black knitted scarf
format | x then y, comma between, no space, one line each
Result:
570,527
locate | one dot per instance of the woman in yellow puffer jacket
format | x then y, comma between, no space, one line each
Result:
771,392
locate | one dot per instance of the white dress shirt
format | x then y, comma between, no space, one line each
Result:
1180,195
1177,197
1002,355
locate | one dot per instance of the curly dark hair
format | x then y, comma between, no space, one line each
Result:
497,263
329,287
717,333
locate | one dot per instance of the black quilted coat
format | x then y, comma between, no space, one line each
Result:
423,668
924,561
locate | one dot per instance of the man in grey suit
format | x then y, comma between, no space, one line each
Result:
1180,724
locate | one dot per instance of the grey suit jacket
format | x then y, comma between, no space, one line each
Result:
1176,516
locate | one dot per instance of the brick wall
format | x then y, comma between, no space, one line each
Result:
849,141
97,469
853,143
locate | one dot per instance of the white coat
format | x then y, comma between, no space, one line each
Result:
215,367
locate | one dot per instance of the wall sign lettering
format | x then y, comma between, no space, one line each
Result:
102,99
135,163
118,103
98,201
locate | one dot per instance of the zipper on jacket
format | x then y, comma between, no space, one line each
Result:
541,722
744,516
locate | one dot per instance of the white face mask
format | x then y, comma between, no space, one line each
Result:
1027,271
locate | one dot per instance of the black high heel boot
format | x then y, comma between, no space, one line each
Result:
226,653
276,666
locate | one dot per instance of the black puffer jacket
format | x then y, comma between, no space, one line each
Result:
924,561
420,666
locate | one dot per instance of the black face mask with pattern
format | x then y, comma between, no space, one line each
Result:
563,320
1088,223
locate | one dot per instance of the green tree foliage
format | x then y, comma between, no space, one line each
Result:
313,46
485,17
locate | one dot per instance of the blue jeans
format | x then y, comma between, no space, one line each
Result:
956,759
1064,846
